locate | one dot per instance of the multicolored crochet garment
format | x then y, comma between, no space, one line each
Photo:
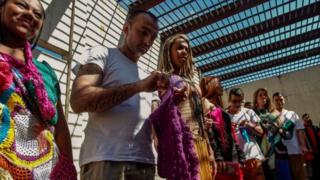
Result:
27,116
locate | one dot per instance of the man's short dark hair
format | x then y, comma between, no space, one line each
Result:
133,13
304,115
236,92
276,94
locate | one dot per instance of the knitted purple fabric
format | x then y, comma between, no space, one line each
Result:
177,159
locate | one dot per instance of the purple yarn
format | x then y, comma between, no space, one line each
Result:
177,158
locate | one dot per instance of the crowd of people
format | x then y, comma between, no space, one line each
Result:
132,112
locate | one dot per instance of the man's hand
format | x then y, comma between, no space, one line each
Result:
304,149
302,138
89,96
156,81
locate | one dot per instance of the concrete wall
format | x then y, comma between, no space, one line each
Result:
301,90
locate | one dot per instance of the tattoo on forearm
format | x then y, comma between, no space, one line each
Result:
95,98
111,97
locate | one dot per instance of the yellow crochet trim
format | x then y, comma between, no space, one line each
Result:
14,100
7,142
13,158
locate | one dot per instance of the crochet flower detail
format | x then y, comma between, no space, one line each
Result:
6,76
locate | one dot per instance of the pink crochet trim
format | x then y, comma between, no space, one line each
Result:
6,77
30,73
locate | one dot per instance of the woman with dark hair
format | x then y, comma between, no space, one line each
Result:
34,136
229,156
262,107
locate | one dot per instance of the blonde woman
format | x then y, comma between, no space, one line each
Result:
176,59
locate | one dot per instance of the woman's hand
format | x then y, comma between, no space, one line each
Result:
207,123
221,166
180,94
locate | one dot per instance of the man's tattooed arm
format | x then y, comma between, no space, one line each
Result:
88,95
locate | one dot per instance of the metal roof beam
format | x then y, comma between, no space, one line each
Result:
308,36
144,4
257,29
211,17
270,64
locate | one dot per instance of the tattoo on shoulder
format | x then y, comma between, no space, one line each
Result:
89,69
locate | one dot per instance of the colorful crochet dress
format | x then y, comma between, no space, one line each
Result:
28,96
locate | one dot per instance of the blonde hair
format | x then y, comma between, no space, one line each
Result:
166,64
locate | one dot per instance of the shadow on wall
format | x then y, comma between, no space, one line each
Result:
54,13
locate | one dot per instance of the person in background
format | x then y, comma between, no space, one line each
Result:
35,141
262,106
247,125
276,165
229,157
313,143
296,142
